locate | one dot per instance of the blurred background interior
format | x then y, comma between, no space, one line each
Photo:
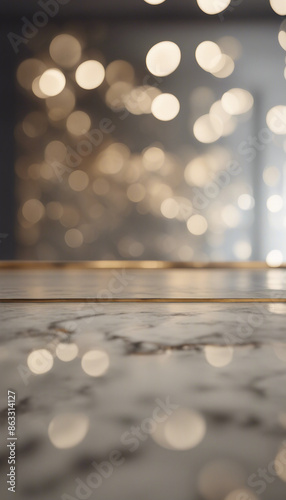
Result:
132,130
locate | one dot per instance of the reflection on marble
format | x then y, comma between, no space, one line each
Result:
180,401
148,283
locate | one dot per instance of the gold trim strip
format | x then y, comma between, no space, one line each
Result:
263,300
127,264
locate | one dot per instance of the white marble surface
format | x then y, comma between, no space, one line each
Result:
155,351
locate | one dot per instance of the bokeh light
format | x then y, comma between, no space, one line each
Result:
218,356
197,224
212,7
282,35
154,2
78,180
136,192
40,361
237,101
276,119
246,201
197,171
224,68
90,74
228,122
74,238
55,151
231,216
60,106
153,158
78,123
271,176
274,258
242,250
33,210
68,429
184,430
219,478
208,54
279,464
66,352
208,128
275,203
279,6
54,210
113,159
159,176
165,107
170,208
117,95
163,58
95,363
28,70
230,46
52,82
37,90
65,50
241,493
119,71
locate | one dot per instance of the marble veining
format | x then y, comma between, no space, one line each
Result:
88,376
222,364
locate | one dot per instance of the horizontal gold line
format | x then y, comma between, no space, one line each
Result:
142,300
127,264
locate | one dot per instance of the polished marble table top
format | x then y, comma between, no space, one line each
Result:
145,400
76,282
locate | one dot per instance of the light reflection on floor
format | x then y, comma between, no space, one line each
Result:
136,401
